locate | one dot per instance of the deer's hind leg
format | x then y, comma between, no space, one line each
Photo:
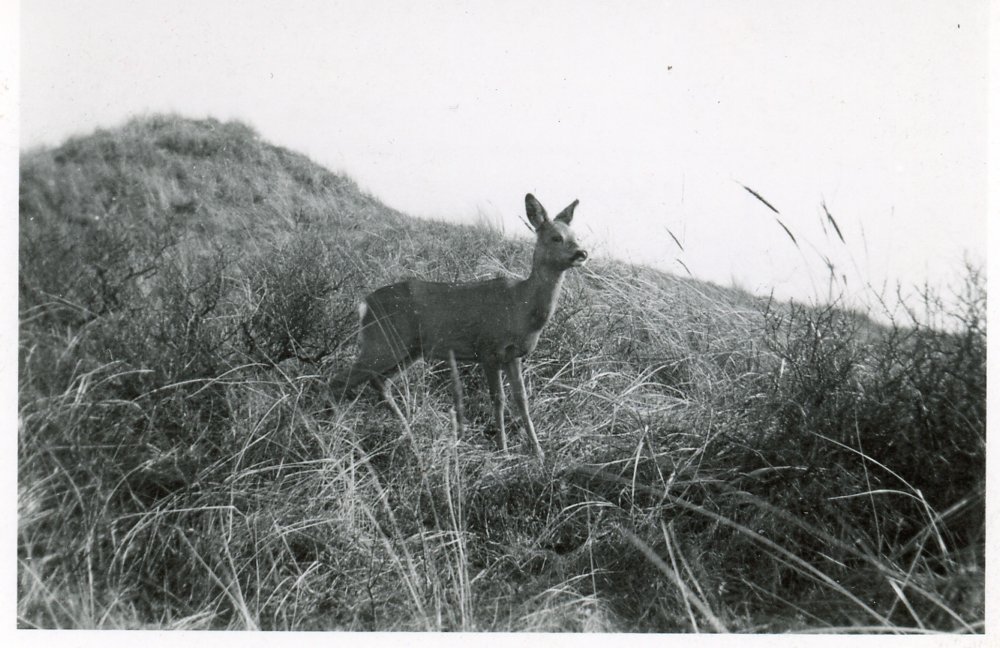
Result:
383,389
367,369
382,352
456,392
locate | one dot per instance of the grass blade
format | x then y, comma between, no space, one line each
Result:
761,198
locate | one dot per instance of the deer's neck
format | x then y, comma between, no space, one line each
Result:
540,293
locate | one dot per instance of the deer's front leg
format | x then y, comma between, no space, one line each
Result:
497,398
456,392
521,401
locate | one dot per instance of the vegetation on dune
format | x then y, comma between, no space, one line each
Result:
716,462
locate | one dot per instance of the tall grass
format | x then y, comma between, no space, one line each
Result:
717,462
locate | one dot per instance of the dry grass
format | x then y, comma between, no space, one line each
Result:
716,462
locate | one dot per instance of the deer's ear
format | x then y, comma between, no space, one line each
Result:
566,215
536,213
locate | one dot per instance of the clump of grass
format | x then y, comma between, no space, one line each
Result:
717,462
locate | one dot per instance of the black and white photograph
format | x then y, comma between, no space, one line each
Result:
499,319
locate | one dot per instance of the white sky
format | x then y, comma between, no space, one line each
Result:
651,113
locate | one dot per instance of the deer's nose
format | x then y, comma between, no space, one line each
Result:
579,257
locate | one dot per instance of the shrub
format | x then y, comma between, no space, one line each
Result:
299,301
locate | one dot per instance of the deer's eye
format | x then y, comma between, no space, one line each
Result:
556,238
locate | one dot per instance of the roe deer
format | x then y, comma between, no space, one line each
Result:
494,323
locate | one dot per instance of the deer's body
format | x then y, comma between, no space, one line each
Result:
494,323
489,322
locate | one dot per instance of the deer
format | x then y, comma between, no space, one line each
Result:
494,323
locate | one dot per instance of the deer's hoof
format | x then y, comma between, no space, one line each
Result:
493,434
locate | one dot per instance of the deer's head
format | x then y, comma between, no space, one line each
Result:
555,246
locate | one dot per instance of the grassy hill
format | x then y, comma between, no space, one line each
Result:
715,461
